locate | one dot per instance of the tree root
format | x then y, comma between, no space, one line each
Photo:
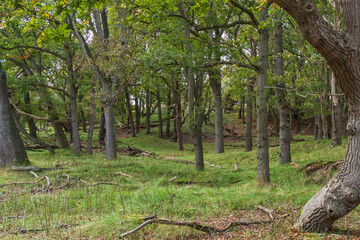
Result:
194,225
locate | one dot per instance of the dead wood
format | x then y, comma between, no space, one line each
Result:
123,174
23,231
29,168
24,183
268,211
194,225
321,165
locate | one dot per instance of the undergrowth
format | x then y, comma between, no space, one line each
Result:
90,208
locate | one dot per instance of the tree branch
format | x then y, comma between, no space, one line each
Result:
255,22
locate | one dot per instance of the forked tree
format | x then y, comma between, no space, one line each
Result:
341,50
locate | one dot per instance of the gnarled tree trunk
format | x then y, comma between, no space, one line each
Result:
341,194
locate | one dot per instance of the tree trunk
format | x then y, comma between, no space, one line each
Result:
341,194
74,119
91,123
168,114
102,129
177,121
195,115
30,121
261,110
12,150
148,111
249,118
128,106
137,114
215,83
161,134
110,141
336,113
283,107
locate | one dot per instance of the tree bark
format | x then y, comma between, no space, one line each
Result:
263,174
336,113
12,150
341,194
102,129
283,106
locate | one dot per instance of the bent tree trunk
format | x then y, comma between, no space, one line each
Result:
341,194
12,150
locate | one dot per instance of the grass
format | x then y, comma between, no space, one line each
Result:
83,211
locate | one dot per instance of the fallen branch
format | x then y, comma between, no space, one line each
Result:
35,175
194,225
268,211
123,174
213,165
23,231
21,183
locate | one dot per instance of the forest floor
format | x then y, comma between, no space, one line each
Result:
85,197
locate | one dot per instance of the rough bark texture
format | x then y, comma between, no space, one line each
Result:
261,117
341,50
12,150
283,106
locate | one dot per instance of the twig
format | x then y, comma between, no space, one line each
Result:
213,165
203,228
173,179
268,211
123,174
20,183
35,175
23,231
